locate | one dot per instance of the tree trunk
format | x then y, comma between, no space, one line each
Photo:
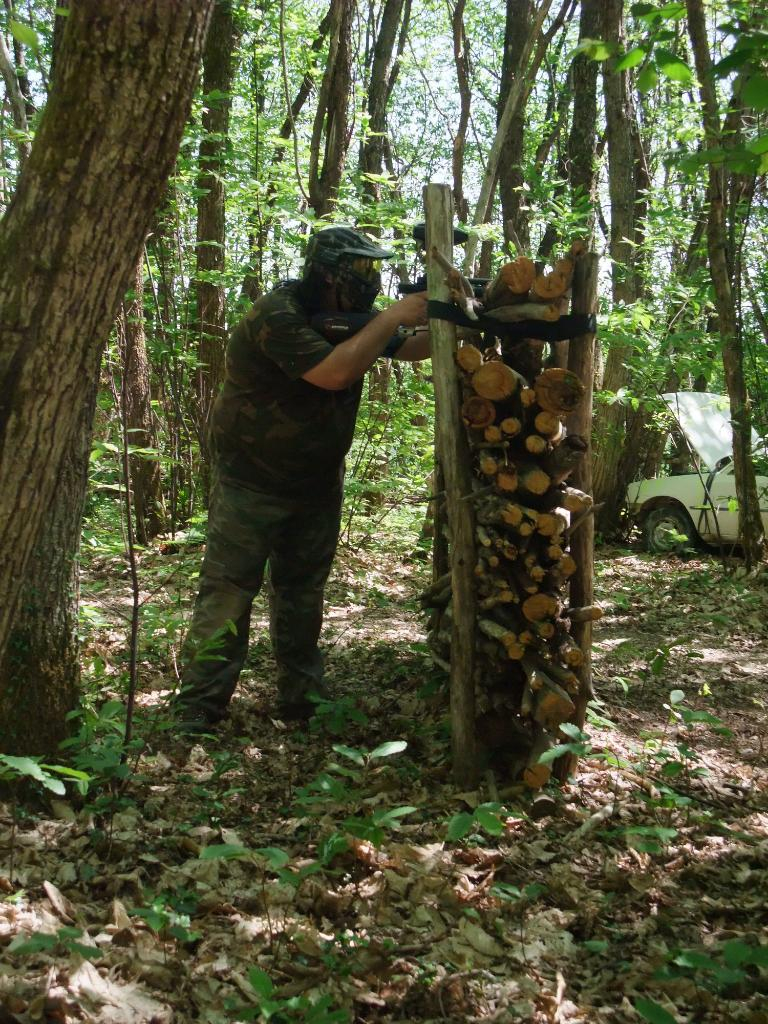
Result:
331,115
513,104
40,672
146,488
15,99
261,220
750,522
611,420
461,63
211,311
516,31
384,64
105,146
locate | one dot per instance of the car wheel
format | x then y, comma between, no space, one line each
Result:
668,530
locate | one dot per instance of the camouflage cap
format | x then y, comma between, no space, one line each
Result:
330,246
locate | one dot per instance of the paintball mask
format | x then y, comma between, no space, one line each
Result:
359,281
354,260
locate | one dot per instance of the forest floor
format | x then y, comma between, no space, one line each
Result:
335,873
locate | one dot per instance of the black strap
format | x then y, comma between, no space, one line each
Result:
569,326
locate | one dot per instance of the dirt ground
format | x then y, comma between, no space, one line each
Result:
263,874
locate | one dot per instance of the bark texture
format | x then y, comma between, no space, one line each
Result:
721,269
330,135
516,30
40,672
385,67
622,131
104,149
211,311
146,489
461,62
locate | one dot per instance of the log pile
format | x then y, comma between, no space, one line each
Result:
525,512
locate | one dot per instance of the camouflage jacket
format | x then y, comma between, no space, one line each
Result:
271,430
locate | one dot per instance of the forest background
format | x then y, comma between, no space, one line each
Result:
637,128
640,128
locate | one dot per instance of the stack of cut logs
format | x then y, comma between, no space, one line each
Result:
525,514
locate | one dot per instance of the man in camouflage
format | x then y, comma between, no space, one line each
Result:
280,431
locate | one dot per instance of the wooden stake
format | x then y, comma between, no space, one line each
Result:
581,363
456,466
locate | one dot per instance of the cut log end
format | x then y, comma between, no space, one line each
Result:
495,381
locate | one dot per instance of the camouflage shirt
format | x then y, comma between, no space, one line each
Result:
271,430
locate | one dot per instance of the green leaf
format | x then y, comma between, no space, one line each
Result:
29,768
260,982
331,847
671,66
758,145
224,851
505,891
459,826
491,822
694,959
736,59
70,773
24,34
755,92
676,696
596,49
388,749
596,945
573,731
736,953
652,1012
392,816
24,944
274,856
558,750
631,59
350,752
647,78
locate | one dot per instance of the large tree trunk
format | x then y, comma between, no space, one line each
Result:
530,62
611,420
461,63
40,672
329,133
385,66
211,311
516,31
750,522
104,149
146,488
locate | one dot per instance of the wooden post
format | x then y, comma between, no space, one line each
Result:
454,459
581,362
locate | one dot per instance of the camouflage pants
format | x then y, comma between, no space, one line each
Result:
247,529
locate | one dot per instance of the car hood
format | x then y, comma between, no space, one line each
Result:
705,419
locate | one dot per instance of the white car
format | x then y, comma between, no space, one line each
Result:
698,502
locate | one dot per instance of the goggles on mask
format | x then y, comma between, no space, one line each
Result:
360,281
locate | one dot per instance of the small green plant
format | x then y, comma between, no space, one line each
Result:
334,717
65,939
270,1006
17,769
719,968
97,748
487,817
343,785
168,915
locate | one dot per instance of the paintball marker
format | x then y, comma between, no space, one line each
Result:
338,327
419,234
